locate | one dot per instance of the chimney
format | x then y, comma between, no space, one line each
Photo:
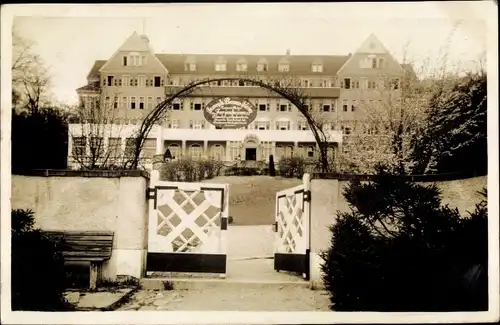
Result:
288,52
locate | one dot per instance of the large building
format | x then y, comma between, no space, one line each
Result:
134,79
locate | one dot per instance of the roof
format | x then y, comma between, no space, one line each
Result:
92,87
299,64
94,72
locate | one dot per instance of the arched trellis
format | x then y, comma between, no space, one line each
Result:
289,92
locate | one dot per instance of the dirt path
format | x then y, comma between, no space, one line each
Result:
274,298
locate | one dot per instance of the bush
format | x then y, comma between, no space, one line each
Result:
189,170
38,276
272,169
292,167
399,249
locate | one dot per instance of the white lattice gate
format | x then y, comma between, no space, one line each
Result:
291,251
187,227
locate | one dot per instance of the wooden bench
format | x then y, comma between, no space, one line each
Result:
86,246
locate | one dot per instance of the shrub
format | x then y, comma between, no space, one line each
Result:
272,169
399,249
38,276
189,170
292,167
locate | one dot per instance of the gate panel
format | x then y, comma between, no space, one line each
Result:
292,230
187,228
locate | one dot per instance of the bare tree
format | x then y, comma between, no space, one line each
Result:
94,122
394,113
30,79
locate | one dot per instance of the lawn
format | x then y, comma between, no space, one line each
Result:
252,199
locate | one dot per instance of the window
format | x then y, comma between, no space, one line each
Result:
158,100
326,108
262,107
317,67
125,81
157,81
150,102
283,125
111,80
142,81
347,130
344,105
306,83
310,152
176,106
221,66
217,152
241,83
371,84
241,67
115,102
173,124
124,102
114,147
124,61
141,102
175,150
283,107
353,106
347,83
355,84
261,67
132,102
303,125
197,107
96,147
149,148
195,151
79,146
129,147
263,125
234,151
191,66
133,82
284,67
326,84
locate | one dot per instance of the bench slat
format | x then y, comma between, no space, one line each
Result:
98,238
81,233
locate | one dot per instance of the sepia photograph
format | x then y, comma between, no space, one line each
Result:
250,163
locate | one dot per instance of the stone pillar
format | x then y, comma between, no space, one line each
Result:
183,148
228,151
205,148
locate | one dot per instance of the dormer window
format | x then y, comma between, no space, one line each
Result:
190,66
220,66
284,67
262,66
317,67
241,66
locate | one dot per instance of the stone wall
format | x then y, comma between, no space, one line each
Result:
327,199
84,201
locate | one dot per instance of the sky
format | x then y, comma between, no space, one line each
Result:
70,38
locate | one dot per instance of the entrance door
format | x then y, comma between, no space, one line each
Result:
291,251
251,154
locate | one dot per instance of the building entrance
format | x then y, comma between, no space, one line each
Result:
251,154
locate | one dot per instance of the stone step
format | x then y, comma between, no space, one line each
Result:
169,283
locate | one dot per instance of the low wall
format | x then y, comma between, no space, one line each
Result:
84,201
327,199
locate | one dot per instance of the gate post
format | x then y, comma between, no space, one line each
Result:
306,180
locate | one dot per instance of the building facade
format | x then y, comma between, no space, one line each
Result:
131,83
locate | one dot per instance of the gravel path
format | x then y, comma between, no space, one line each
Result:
274,298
